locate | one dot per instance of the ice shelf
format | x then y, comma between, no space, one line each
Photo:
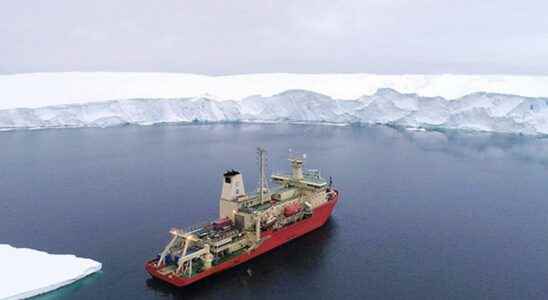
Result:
492,103
474,112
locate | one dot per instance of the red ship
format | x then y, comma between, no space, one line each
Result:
248,225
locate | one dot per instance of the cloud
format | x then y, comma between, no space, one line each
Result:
220,37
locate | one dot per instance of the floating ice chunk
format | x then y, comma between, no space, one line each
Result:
26,272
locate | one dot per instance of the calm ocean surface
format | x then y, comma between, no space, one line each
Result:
424,215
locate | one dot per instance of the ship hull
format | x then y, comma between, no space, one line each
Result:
271,240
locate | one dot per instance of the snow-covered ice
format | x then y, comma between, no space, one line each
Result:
43,89
26,272
509,104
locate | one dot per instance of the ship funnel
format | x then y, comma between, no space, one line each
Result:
233,186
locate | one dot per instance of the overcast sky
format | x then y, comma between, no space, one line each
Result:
230,37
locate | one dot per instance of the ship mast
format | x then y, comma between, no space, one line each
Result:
263,183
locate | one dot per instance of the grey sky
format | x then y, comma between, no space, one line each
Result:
228,37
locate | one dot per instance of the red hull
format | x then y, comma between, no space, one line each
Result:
272,239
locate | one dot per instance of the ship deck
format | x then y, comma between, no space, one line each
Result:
272,239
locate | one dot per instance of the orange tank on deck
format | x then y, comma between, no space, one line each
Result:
292,209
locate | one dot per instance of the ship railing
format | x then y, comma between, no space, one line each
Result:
314,173
280,173
188,229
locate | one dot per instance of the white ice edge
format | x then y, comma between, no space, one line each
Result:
34,90
27,272
488,112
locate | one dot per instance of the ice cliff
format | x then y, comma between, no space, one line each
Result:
478,111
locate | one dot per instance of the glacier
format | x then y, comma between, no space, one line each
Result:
28,272
478,111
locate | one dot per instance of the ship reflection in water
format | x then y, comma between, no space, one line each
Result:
301,258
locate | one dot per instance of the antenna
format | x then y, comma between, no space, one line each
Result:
263,183
294,155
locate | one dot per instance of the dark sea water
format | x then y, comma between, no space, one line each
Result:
424,215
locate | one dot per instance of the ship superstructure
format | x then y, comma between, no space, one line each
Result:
248,225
